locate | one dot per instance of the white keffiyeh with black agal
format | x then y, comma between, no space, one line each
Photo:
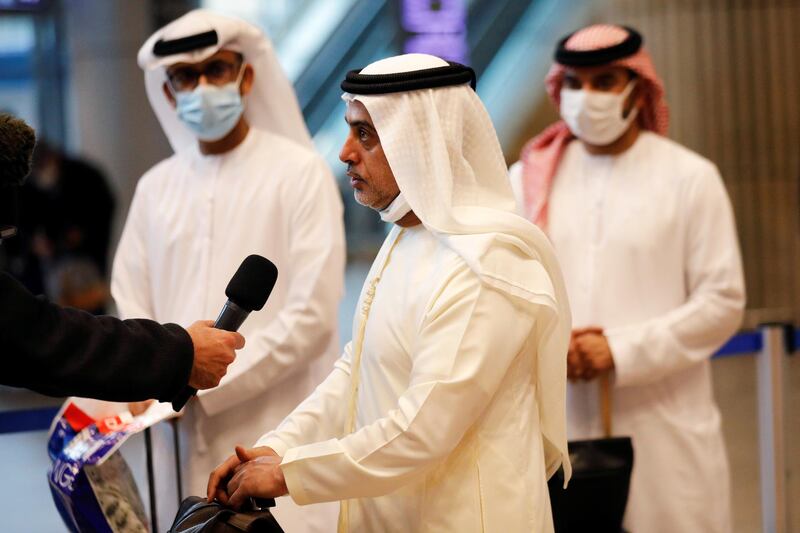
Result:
271,105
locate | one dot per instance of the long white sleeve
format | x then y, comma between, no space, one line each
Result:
305,326
647,351
130,280
463,349
319,417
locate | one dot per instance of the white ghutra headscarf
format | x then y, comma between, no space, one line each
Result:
271,105
445,156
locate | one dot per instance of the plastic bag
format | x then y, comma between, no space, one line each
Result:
92,486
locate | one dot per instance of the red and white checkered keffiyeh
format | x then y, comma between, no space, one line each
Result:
540,156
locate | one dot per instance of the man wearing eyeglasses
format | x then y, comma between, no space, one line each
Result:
244,179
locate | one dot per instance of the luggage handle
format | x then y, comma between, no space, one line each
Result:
605,403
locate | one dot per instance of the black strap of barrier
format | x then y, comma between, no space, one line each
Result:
148,447
177,445
27,420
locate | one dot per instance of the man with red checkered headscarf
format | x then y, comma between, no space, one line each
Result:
645,234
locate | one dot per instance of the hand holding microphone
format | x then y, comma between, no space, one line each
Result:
214,350
248,290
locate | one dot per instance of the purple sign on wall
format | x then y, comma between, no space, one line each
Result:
23,5
427,16
449,46
437,27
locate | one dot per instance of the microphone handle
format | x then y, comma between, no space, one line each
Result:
229,319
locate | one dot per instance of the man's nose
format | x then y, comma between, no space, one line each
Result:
347,154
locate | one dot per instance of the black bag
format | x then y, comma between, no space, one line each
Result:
196,515
597,494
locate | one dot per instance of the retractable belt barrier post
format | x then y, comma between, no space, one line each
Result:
777,341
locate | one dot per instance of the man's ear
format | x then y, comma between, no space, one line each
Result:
247,80
169,95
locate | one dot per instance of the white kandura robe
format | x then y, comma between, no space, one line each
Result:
193,219
648,246
447,433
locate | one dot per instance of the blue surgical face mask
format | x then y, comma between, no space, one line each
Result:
211,111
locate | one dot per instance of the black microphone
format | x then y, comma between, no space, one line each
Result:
247,291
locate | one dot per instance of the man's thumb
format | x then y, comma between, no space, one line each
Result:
243,455
238,341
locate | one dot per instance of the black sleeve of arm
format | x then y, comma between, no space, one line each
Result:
66,352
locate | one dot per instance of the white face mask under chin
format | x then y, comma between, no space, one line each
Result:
395,210
596,117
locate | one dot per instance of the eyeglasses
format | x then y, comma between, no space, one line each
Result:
218,72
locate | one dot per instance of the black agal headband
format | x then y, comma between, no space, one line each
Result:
429,78
602,56
185,44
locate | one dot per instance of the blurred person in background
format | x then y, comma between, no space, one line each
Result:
645,233
244,179
64,231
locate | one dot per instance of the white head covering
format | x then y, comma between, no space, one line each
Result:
445,156
271,104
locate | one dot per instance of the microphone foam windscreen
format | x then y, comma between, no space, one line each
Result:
250,287
17,140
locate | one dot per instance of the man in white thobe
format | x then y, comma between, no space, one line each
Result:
645,233
446,411
244,180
